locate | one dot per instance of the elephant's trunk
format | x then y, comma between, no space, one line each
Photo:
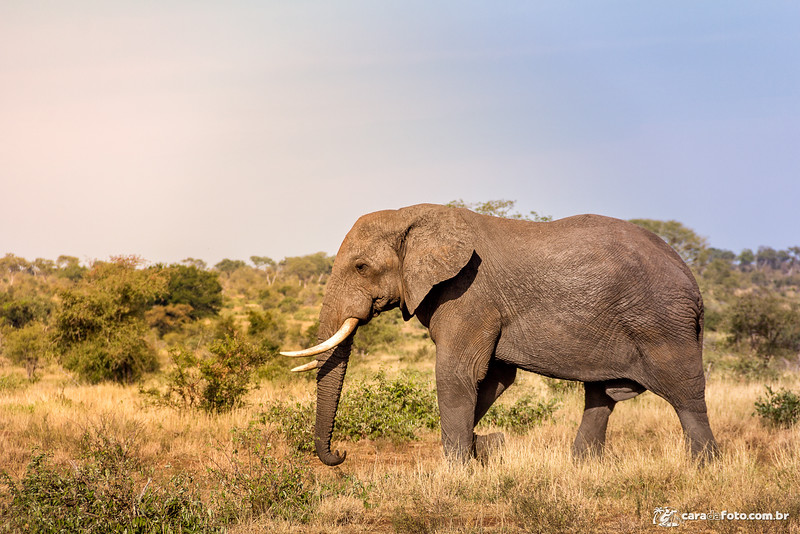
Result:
329,388
330,377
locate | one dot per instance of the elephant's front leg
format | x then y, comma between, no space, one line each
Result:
457,398
457,384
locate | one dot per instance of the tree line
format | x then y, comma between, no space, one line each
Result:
116,319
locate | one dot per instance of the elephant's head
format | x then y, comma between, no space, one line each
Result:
388,259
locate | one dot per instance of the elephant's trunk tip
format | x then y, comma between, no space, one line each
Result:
333,458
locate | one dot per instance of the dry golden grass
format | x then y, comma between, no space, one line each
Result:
533,485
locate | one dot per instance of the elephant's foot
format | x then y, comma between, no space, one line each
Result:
486,445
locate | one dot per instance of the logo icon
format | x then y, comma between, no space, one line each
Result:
665,517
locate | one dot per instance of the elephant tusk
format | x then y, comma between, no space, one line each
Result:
313,364
347,328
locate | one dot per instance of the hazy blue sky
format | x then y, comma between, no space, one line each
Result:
229,129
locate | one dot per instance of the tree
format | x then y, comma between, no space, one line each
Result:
11,266
194,262
18,313
189,285
27,346
228,266
499,208
266,263
746,258
43,267
767,323
766,257
684,240
307,267
70,267
262,262
100,327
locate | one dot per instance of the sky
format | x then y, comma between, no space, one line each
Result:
175,129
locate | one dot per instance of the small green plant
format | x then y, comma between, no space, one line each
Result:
374,408
379,333
254,482
383,408
106,492
295,422
216,382
520,416
781,408
12,382
561,386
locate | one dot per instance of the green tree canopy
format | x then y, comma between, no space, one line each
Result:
100,327
307,267
189,285
262,262
228,266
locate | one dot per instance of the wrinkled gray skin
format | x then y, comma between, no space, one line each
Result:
585,298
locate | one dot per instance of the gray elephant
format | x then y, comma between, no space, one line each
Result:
586,298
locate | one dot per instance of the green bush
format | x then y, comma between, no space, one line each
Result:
780,408
295,422
216,382
27,346
520,416
19,313
255,483
764,322
383,408
379,333
105,493
100,327
373,408
191,286
121,355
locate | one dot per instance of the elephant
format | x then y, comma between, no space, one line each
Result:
586,298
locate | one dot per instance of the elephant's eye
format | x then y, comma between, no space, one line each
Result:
361,267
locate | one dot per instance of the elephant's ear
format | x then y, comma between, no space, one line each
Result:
436,246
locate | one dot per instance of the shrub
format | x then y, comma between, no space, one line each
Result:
520,416
780,408
766,323
379,333
267,329
121,354
374,408
100,327
168,318
383,408
27,346
105,493
19,313
191,286
216,382
255,483
295,422
558,386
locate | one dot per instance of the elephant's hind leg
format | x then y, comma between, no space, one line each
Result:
591,436
682,383
498,378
